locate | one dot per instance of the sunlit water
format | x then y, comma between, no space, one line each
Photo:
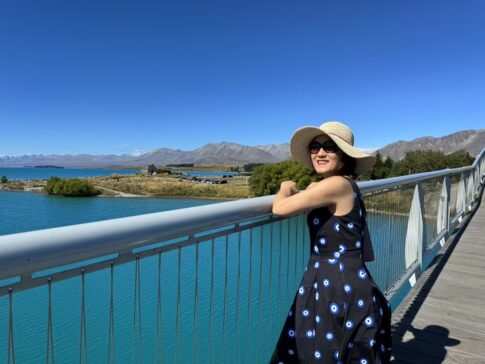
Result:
263,272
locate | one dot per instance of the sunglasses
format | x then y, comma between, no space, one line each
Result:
328,147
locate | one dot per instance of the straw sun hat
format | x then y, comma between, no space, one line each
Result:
340,133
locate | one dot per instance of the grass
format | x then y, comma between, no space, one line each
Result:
168,186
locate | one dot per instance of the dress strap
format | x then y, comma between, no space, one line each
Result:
352,182
367,250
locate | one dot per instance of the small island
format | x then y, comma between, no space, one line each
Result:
46,166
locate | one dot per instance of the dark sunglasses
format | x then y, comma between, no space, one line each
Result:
328,147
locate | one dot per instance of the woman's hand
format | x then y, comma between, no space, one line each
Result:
289,188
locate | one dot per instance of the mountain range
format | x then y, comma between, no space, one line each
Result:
232,153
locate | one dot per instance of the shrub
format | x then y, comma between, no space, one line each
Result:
266,179
70,187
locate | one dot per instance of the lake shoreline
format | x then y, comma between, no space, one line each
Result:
135,186
41,192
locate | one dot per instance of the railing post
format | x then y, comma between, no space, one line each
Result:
475,185
470,189
482,169
443,218
415,232
460,197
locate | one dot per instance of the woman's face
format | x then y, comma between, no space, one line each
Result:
326,163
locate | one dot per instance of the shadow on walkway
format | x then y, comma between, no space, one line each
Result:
432,340
429,344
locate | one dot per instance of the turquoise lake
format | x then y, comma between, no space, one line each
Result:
249,330
45,173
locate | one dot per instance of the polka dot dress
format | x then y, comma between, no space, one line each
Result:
338,315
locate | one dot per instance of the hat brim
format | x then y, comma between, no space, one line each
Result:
302,137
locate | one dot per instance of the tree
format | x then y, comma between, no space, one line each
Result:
387,166
4,179
419,160
266,179
377,171
70,187
249,167
152,168
459,158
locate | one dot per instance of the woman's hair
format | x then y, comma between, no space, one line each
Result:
348,168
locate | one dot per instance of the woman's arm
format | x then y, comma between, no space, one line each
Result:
289,201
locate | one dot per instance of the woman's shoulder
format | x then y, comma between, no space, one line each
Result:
325,211
335,186
343,184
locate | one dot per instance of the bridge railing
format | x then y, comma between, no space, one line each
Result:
202,284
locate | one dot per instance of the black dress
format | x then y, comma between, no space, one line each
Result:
339,314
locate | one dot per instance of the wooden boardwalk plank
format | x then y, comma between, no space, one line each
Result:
442,320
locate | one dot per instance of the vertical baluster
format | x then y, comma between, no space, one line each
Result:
394,229
83,354
211,319
237,293
177,315
224,328
111,335
302,243
50,336
195,351
260,335
392,239
295,243
137,304
270,312
11,348
249,336
280,253
158,342
287,262
139,314
388,245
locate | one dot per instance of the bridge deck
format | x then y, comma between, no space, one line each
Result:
442,320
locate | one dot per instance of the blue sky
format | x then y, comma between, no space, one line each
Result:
107,77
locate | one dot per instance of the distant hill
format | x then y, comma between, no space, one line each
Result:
232,153
219,153
279,151
473,141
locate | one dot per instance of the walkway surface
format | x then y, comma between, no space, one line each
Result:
443,318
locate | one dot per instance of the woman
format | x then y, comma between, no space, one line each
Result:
338,315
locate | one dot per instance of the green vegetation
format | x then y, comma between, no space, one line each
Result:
4,179
70,187
418,161
170,186
153,169
266,179
251,166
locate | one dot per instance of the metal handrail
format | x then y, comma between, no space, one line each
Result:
21,254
